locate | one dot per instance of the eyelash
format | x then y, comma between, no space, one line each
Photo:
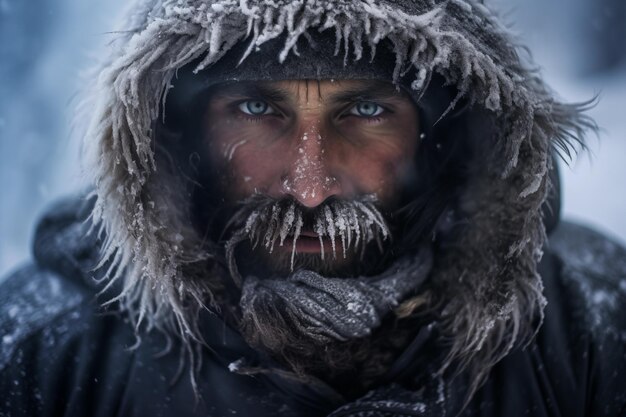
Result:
365,119
249,117
373,119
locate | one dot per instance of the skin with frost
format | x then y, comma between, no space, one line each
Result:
312,142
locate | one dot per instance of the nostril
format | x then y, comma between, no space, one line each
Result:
310,191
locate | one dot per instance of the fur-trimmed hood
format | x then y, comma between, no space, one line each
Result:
516,123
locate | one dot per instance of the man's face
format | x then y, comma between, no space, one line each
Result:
312,141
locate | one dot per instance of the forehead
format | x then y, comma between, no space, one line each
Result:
313,89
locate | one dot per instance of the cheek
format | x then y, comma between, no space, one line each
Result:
378,161
251,169
242,156
379,170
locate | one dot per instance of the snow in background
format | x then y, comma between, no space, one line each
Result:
44,48
46,44
581,47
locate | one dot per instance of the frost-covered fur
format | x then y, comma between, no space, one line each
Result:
491,269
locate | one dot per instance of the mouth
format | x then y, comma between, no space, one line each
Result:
309,242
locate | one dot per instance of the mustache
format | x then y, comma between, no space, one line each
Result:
266,222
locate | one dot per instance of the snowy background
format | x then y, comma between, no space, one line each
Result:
45,45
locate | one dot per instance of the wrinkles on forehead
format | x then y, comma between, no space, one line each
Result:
291,92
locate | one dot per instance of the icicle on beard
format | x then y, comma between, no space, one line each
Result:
346,231
304,313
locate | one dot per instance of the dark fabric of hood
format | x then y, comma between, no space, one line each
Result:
511,119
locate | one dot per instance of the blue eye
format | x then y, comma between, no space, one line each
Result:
366,109
256,108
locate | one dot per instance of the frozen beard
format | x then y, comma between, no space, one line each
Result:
299,314
340,230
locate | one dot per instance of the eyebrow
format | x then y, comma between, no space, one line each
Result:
367,92
364,91
252,89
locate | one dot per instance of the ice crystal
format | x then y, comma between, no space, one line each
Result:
271,221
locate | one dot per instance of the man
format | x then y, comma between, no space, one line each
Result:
318,208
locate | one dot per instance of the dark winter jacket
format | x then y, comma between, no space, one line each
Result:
63,355
117,304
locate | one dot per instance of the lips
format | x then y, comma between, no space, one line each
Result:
308,242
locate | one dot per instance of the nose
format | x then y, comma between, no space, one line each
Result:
309,177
